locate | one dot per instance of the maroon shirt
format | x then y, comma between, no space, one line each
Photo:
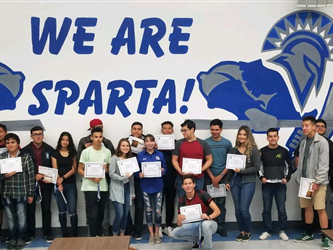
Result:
204,202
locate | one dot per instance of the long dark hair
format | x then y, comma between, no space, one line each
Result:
118,151
71,146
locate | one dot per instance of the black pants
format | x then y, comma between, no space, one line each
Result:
169,193
46,214
139,210
95,211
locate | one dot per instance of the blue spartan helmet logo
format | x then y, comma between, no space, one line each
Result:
253,92
11,87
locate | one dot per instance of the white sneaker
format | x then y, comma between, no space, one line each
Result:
160,233
264,236
168,231
283,236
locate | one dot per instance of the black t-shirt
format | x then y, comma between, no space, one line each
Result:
64,165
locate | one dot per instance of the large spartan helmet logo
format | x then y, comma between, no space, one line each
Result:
305,41
11,87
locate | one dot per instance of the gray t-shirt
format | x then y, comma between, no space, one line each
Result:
308,143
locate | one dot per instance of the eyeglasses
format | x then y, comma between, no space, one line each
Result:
184,130
37,135
320,126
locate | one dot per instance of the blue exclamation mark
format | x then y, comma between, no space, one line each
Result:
187,94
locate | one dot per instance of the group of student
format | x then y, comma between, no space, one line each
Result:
21,191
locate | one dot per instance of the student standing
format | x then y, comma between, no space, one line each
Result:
64,159
95,189
152,188
242,182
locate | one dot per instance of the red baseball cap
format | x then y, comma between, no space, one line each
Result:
94,123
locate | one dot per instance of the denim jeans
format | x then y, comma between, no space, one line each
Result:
47,194
70,193
190,232
278,191
242,194
153,202
16,216
95,211
122,210
199,185
219,201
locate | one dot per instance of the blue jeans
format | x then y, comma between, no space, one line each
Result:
278,191
70,193
122,210
199,184
190,232
153,202
16,216
242,194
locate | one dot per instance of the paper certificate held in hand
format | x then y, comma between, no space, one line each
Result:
94,170
2,150
192,213
217,192
50,174
305,188
137,145
192,166
165,142
10,165
235,161
151,169
128,166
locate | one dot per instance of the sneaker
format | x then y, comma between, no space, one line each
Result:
106,231
158,240
239,237
168,231
325,245
20,244
195,245
151,240
283,236
48,239
11,244
304,238
160,233
7,239
265,235
28,239
222,232
246,237
138,235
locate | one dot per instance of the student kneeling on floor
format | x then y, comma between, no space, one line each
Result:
196,230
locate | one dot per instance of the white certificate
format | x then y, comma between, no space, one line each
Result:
151,169
192,166
137,145
217,192
10,165
2,150
305,188
165,142
235,161
50,174
94,170
192,213
128,166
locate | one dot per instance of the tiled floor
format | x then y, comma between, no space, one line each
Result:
219,243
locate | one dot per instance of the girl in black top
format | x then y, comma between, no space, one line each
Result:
64,159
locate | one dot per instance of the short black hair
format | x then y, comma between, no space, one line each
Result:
321,121
166,123
309,118
272,130
136,123
36,128
3,127
216,122
96,130
189,123
150,137
187,177
12,136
